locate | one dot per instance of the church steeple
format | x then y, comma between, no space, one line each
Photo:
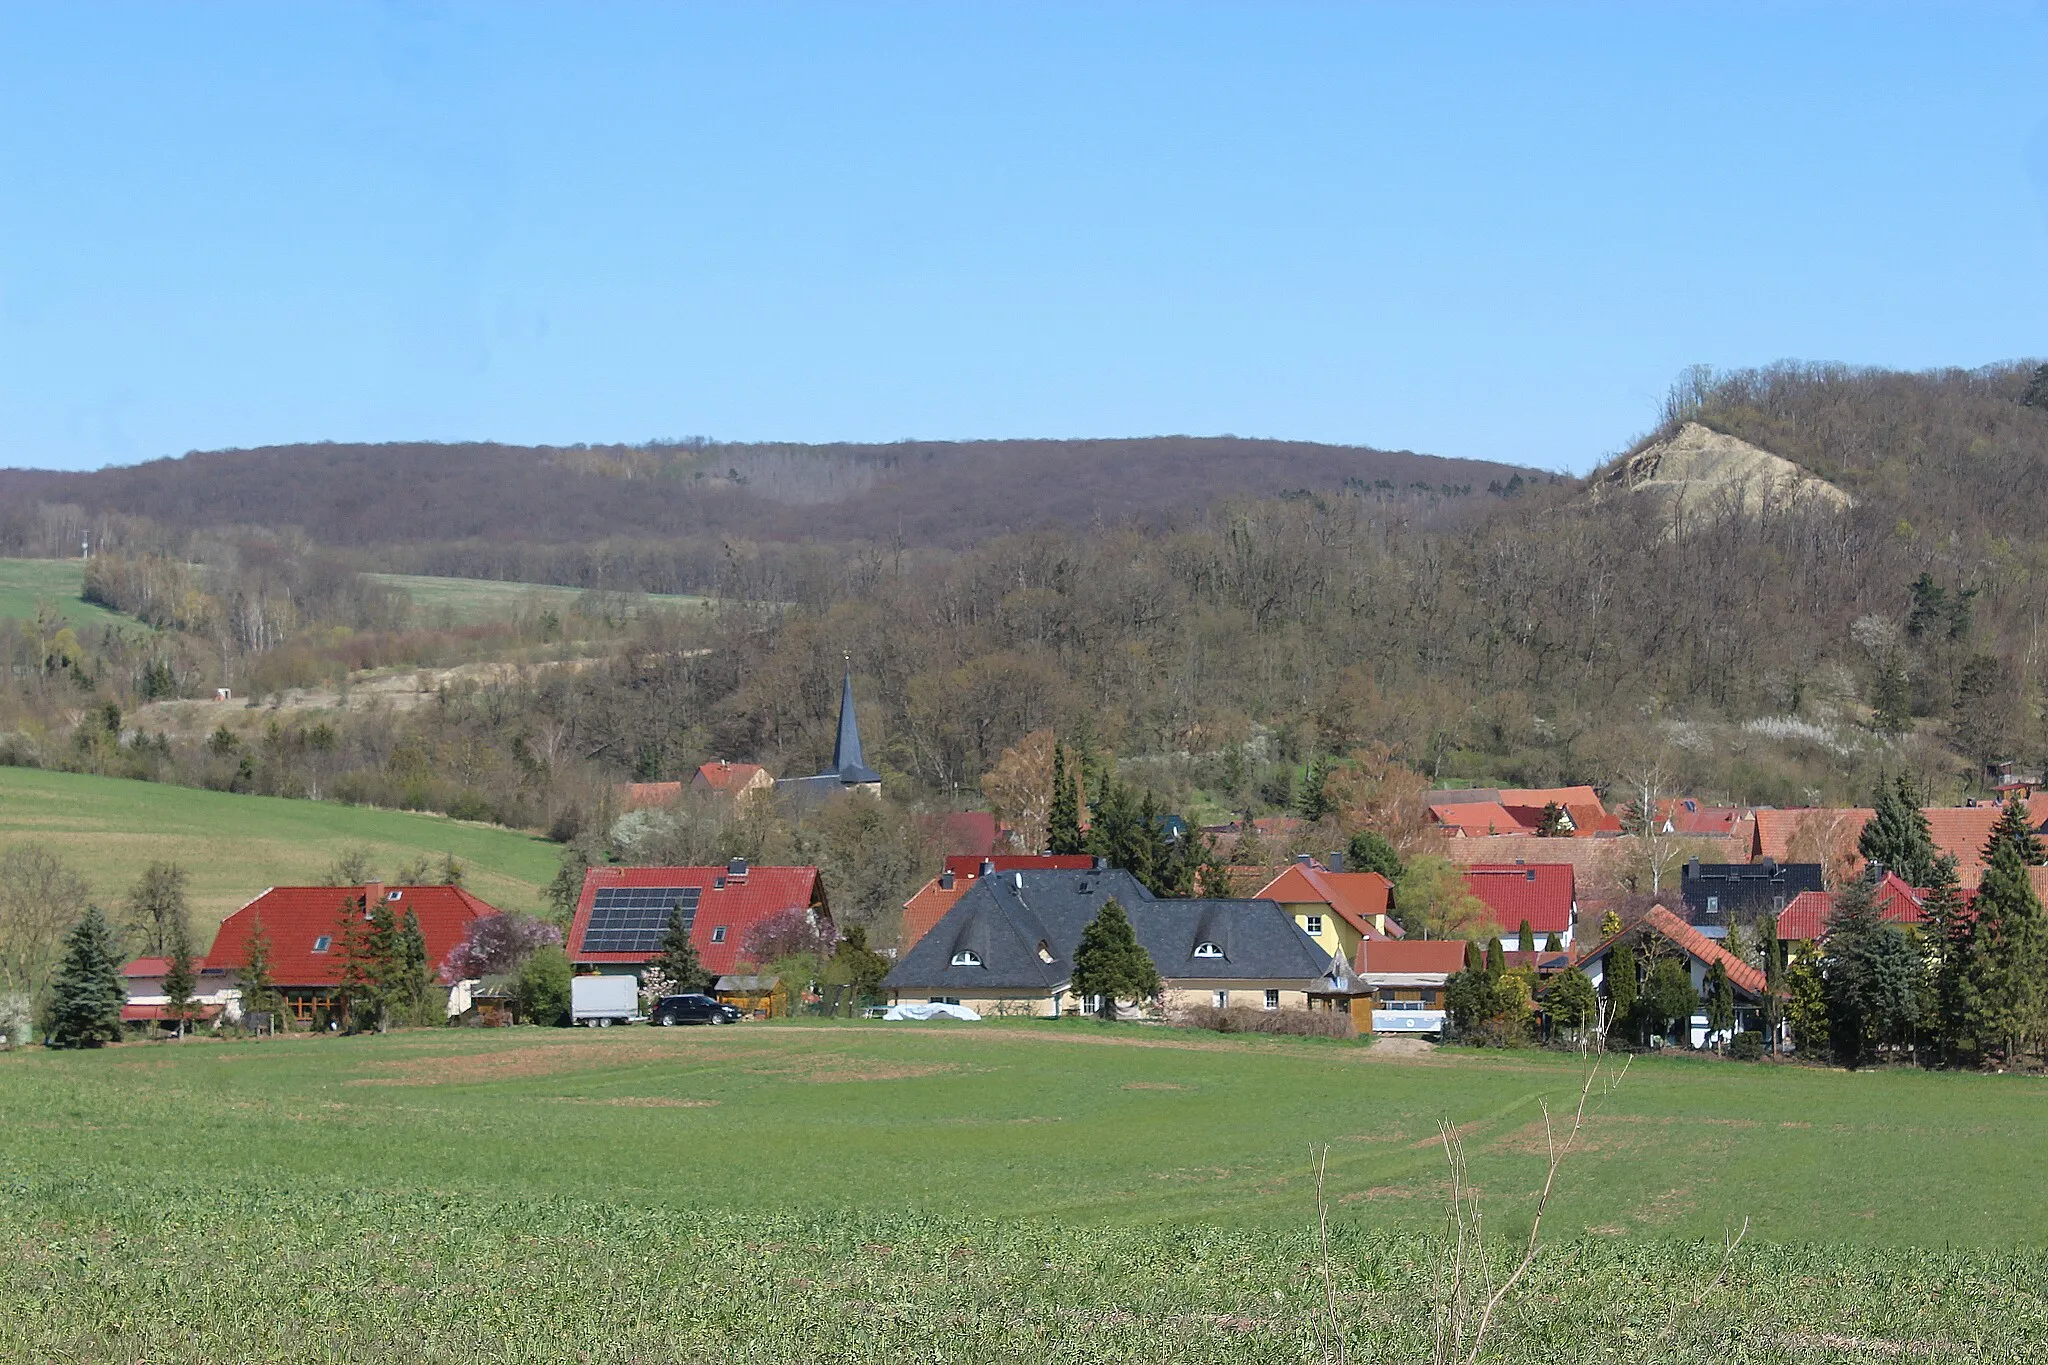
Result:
848,764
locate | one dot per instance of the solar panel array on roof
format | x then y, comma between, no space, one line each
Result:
632,919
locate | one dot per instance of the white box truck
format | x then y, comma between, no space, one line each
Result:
601,1001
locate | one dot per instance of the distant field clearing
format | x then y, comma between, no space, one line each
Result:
27,583
234,845
473,601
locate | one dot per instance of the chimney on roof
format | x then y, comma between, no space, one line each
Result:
1334,861
1521,862
736,870
946,880
373,895
1305,859
1101,863
988,866
1692,868
1770,867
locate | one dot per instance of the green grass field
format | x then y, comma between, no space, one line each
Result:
234,846
983,1192
473,601
27,583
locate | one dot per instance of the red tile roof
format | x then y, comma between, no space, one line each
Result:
641,795
155,966
722,776
969,832
933,900
1806,918
297,917
1414,956
1356,897
1541,893
1479,818
1666,925
732,904
1775,829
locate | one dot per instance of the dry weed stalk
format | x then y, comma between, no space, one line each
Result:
1459,1337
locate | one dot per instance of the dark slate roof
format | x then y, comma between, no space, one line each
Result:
1006,919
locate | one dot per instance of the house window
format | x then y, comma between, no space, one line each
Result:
718,934
945,1000
323,943
1222,999
1314,925
1206,949
967,957
1272,1000
1713,905
1044,951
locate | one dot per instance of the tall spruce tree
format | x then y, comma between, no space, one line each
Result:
1945,936
1623,991
179,978
1554,823
1111,963
87,995
259,990
1897,834
679,961
410,979
1525,938
2002,975
1063,822
1371,851
1869,974
2015,827
1773,954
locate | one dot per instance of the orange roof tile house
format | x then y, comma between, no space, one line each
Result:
1339,910
1668,935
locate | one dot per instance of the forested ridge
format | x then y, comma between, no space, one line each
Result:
1224,654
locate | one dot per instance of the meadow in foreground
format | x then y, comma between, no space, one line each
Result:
981,1193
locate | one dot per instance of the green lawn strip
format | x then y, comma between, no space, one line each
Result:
27,584
235,845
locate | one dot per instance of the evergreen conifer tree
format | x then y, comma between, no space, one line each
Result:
87,995
1668,996
679,961
1554,824
1773,954
1370,851
1525,938
2016,828
1897,835
1869,975
1063,822
179,978
1496,958
259,991
409,976
1945,934
1891,699
1622,989
2001,978
1475,959
1551,945
1111,963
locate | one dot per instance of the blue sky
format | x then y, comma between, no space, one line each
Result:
1494,231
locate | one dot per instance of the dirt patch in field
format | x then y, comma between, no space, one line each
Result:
516,1063
1156,1085
833,1069
1605,1132
1463,1130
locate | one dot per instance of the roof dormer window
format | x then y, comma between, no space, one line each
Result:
1207,949
1044,951
967,957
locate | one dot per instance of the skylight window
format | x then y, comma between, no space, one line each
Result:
967,957
322,943
1207,949
718,934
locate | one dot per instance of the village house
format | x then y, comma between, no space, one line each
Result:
1543,895
1404,984
1006,946
738,781
938,895
1338,909
1661,933
213,998
1804,922
1479,812
622,914
306,931
1717,895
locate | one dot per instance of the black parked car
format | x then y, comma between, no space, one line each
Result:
694,1009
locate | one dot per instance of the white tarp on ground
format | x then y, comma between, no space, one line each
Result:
932,1011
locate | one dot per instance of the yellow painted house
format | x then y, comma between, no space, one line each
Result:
1339,910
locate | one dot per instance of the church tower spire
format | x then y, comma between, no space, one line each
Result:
848,763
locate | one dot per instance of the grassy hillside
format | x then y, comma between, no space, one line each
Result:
25,584
474,601
982,1192
234,846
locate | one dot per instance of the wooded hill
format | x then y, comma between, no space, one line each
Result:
912,493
